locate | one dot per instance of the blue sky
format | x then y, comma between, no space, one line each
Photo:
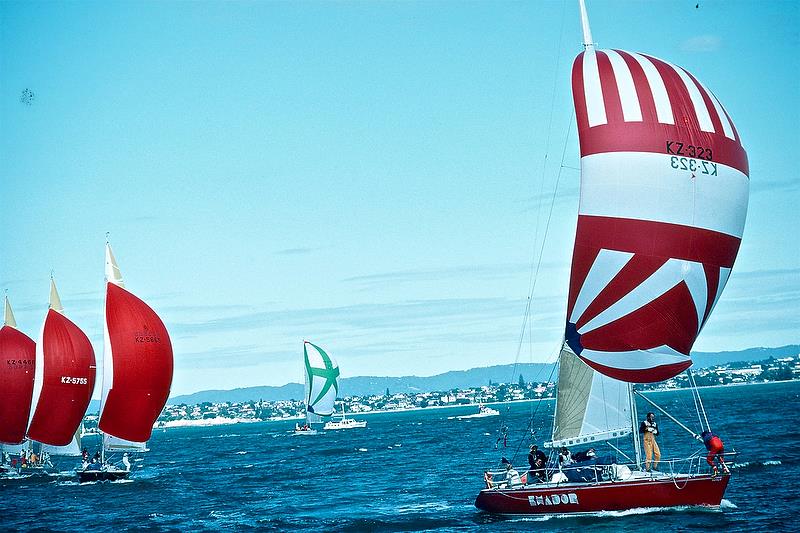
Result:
366,175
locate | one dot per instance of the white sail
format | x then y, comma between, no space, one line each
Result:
14,449
73,449
590,407
321,380
8,316
115,444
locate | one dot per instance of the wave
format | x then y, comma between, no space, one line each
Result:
727,504
749,466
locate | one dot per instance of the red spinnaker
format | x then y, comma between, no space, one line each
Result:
17,363
141,355
664,189
68,377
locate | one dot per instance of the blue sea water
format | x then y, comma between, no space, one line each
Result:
412,471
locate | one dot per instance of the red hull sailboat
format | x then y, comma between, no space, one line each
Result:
662,491
65,373
137,375
664,190
17,360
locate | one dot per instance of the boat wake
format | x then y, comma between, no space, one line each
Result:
621,514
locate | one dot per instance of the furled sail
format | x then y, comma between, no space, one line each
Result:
322,375
590,407
137,365
664,190
17,360
63,378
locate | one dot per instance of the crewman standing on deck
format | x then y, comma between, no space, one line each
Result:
649,430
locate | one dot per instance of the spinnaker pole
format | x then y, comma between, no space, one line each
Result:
654,404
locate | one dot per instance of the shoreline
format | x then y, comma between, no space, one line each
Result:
223,421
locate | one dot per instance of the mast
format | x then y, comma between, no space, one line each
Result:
637,449
588,43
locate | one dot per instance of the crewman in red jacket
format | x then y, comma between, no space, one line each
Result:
716,450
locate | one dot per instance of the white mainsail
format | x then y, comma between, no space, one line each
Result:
73,449
590,407
8,316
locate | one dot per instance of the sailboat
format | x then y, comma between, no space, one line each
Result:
321,377
64,378
137,375
664,190
17,362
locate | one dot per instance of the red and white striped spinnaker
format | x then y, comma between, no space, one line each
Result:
17,360
664,190
63,378
137,365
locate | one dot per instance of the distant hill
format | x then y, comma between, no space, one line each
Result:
369,385
457,379
706,359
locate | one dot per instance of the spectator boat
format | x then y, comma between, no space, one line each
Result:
344,423
483,412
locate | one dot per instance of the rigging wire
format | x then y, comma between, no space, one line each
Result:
527,322
699,400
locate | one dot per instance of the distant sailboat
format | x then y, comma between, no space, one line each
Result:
664,189
137,374
17,362
321,375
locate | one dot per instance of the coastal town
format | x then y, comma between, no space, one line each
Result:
207,413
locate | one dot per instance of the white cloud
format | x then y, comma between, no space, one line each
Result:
702,43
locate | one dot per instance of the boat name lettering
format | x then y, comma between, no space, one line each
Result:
679,148
74,381
553,499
